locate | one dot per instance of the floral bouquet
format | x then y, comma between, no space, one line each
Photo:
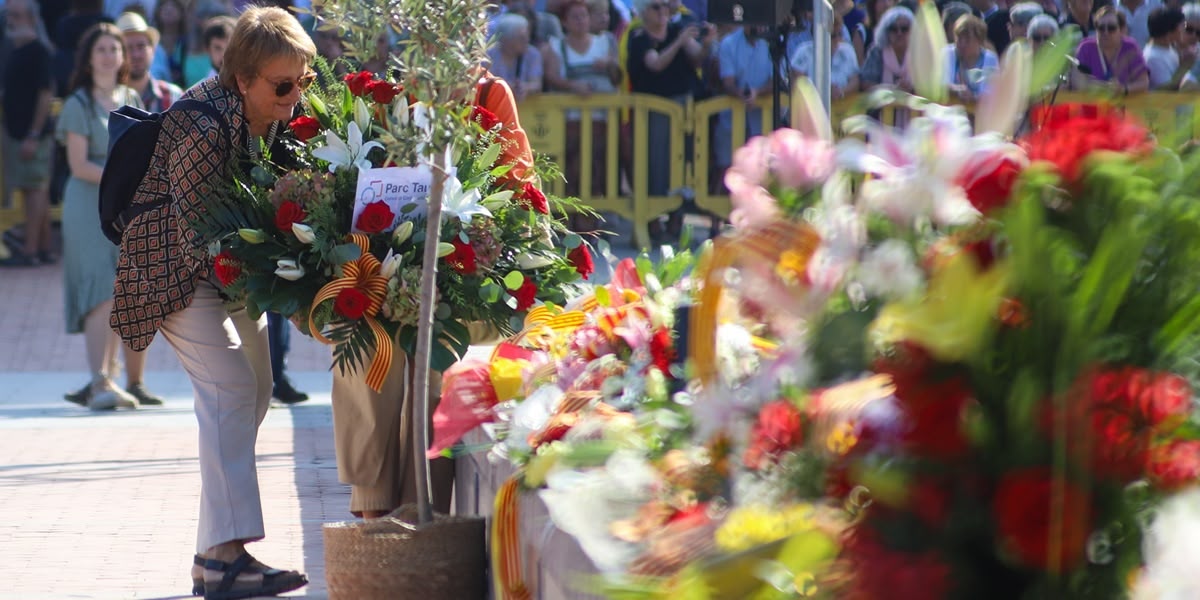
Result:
329,230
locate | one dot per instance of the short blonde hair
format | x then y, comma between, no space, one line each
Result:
972,26
263,34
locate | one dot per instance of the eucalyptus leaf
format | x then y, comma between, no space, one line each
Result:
572,241
514,279
489,292
344,253
602,296
442,312
407,208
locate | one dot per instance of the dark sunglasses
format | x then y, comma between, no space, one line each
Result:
284,88
1039,38
1108,28
898,29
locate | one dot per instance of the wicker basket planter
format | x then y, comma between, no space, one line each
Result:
391,558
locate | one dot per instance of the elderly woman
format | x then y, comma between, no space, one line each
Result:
885,64
843,72
968,62
513,58
1110,59
1041,28
1019,17
164,284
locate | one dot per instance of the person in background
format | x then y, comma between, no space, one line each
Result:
29,88
543,26
333,50
513,58
165,284
874,10
1189,41
115,8
951,13
1137,14
89,263
843,73
215,37
1110,59
1019,17
995,20
1041,28
140,41
279,338
745,65
1167,71
67,33
968,62
1079,13
172,41
885,63
583,63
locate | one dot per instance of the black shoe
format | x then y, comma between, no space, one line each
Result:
80,397
47,257
19,259
144,397
285,393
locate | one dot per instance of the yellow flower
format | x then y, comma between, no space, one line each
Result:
955,317
505,374
791,266
842,439
750,526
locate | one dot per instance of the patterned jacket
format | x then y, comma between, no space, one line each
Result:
162,258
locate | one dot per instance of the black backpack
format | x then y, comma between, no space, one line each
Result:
132,136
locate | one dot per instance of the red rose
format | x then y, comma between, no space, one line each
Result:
486,118
581,257
525,295
1165,401
662,350
989,181
383,92
1025,515
1072,133
533,199
376,217
288,213
780,428
227,268
351,303
1119,445
463,257
359,83
881,572
1176,465
935,412
305,127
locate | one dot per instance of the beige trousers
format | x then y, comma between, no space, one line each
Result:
229,362
372,433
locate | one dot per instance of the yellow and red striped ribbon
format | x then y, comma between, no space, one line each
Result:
361,273
790,242
506,544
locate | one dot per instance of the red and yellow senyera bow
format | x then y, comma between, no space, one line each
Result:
361,273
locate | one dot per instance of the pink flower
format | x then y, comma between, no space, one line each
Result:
752,161
753,205
800,162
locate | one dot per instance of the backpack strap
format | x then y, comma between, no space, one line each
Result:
132,212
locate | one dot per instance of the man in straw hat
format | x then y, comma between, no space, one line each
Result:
140,41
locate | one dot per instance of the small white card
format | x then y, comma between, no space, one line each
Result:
397,187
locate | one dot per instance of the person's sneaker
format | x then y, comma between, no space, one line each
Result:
106,396
285,393
80,396
143,395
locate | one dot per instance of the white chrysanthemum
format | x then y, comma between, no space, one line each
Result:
890,271
1172,551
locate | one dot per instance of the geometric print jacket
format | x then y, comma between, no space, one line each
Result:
162,257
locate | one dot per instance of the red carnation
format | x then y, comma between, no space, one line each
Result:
376,217
662,350
525,295
1025,515
351,303
989,183
305,127
1176,465
1164,399
780,428
1073,133
359,83
581,257
383,92
533,199
486,118
463,257
934,405
227,268
287,214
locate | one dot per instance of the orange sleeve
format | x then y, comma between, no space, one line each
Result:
516,151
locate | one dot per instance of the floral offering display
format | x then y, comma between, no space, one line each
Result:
330,231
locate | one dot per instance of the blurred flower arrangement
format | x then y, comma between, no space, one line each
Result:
290,238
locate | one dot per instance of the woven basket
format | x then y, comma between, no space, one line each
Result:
391,558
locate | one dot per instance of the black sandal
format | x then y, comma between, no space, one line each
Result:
274,581
197,582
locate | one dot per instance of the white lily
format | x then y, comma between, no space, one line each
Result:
289,269
1008,92
808,113
362,115
391,264
400,110
402,233
352,152
422,117
304,233
457,202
